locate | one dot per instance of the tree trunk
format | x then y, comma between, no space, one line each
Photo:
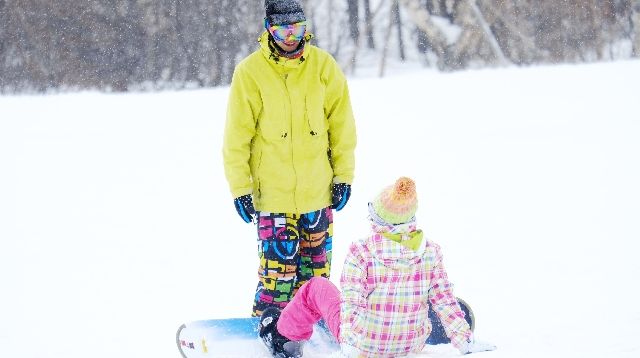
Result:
487,33
385,48
635,23
354,29
422,19
354,34
330,28
368,25
398,22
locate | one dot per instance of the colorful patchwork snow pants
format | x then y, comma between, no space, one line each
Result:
292,249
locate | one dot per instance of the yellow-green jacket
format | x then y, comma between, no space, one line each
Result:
290,131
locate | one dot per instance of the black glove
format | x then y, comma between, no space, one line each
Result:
341,193
244,207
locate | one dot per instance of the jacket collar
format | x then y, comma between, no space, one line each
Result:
397,246
411,240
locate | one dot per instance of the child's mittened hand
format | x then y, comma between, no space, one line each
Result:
476,346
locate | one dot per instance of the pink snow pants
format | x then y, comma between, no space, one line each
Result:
317,299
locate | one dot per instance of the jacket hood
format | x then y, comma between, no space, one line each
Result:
399,247
269,51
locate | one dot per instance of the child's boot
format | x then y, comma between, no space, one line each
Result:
279,345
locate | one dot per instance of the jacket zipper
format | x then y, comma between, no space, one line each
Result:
295,174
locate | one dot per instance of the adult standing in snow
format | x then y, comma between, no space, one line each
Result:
289,152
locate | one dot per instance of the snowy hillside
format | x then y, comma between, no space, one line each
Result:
116,225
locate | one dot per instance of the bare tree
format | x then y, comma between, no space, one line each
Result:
354,20
510,22
387,37
635,21
368,25
394,19
127,45
395,10
421,18
486,30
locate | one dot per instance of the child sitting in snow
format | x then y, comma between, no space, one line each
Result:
387,282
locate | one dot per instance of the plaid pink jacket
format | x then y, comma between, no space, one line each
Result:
386,288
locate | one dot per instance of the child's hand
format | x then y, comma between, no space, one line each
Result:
476,346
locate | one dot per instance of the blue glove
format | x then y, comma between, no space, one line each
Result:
244,207
340,195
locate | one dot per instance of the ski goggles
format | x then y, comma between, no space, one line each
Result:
288,32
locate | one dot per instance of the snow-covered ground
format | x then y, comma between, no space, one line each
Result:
116,224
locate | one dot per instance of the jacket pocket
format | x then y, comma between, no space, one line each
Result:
316,119
272,122
317,134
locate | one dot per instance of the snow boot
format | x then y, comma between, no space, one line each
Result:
279,345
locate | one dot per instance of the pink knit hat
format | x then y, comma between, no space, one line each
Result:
398,203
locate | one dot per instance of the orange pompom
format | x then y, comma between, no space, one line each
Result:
404,188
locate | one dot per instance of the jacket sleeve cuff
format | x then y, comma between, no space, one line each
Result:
338,180
462,343
241,192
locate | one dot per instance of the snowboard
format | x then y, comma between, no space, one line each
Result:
238,337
